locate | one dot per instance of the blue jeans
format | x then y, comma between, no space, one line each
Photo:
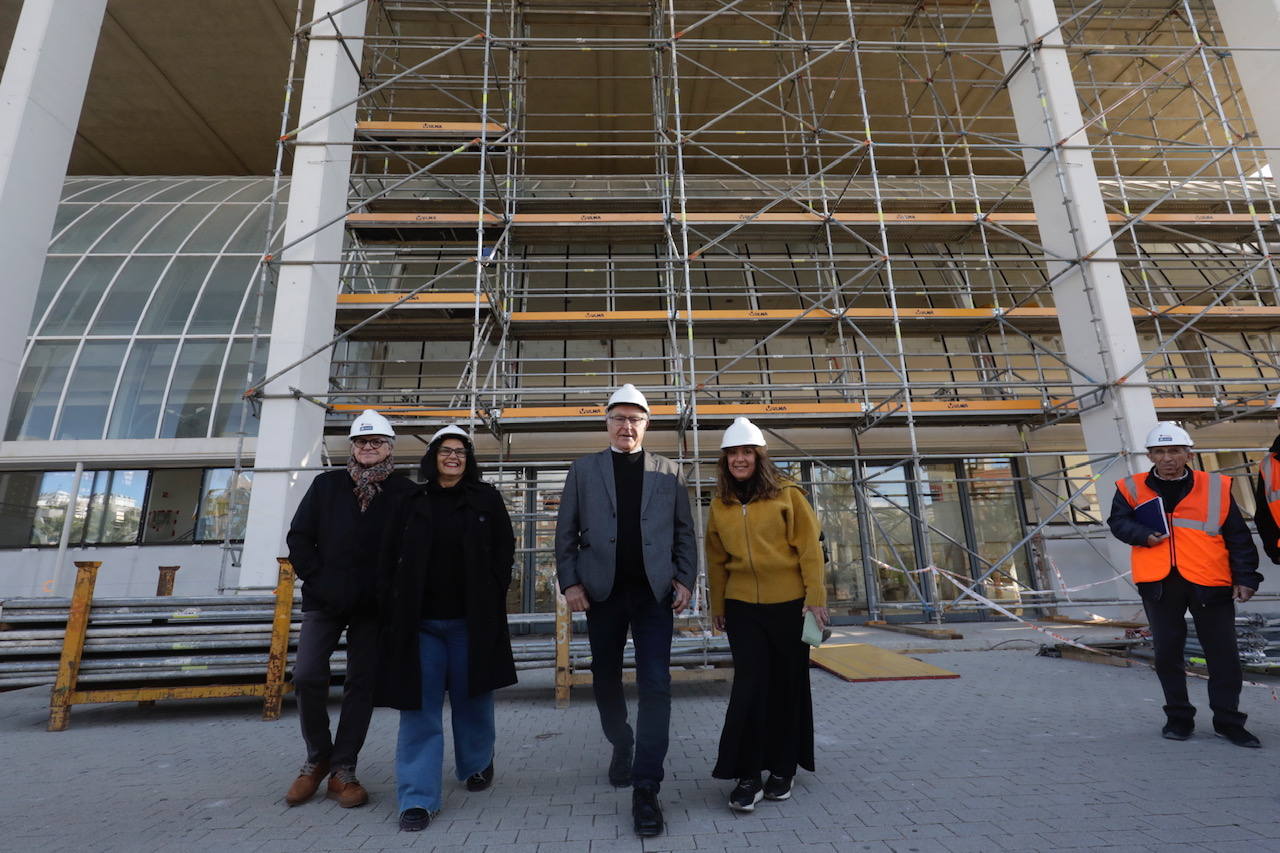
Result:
651,624
442,647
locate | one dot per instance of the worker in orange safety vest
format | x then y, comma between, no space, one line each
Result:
1266,515
1202,559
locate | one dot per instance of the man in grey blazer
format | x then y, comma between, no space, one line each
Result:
626,554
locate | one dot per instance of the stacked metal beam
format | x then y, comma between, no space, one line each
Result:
183,639
1257,637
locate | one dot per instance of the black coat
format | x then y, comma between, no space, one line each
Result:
1268,529
489,549
334,547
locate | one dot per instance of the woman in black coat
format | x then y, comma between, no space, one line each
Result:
445,569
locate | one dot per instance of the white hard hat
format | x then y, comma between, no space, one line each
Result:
1169,434
1277,403
451,429
629,394
371,423
740,432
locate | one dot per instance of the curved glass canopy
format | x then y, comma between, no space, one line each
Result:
144,321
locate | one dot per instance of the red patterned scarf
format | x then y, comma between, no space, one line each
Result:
366,479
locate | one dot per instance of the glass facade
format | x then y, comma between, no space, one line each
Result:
144,322
123,507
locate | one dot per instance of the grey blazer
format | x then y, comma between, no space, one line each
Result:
588,524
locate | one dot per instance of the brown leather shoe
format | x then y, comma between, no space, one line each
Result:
308,781
346,788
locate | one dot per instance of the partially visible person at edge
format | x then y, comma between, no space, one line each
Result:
1266,515
626,554
445,569
764,569
333,544
1206,560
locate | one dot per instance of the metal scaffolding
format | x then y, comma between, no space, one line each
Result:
819,215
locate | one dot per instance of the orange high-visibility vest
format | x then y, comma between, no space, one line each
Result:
1271,485
1195,543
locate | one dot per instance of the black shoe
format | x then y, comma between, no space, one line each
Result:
778,787
415,820
646,811
1177,729
620,767
746,794
480,781
1238,735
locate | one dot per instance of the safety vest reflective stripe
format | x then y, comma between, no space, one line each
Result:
1271,477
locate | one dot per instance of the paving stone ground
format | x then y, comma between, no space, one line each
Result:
1021,753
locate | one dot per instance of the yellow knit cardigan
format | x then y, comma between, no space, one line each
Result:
765,551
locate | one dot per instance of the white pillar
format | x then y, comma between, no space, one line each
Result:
1256,24
290,433
40,100
1097,328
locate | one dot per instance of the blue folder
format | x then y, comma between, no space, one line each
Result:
1150,514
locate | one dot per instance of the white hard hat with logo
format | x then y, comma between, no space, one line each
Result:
630,395
740,432
371,423
451,429
1169,434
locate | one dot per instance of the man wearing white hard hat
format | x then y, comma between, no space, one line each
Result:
627,555
1191,551
334,541
1267,497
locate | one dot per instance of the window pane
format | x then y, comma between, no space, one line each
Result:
18,493
193,390
89,392
39,387
226,418
170,233
71,313
55,271
172,303
126,233
51,507
81,235
123,306
224,503
171,505
212,235
222,296
137,408
115,508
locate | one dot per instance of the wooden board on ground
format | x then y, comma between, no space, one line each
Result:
861,662
916,630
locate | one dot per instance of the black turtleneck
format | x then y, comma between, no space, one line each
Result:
628,483
444,587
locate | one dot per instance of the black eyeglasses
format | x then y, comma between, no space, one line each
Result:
455,452
369,442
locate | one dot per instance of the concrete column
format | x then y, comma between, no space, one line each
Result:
290,434
1097,329
40,100
1252,25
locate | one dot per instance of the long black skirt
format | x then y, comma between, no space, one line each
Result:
769,723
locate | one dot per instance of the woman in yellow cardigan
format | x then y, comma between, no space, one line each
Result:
764,565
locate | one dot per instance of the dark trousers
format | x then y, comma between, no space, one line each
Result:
632,605
1213,612
311,678
769,722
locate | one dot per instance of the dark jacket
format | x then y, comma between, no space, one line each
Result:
489,550
334,547
1268,530
1242,554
